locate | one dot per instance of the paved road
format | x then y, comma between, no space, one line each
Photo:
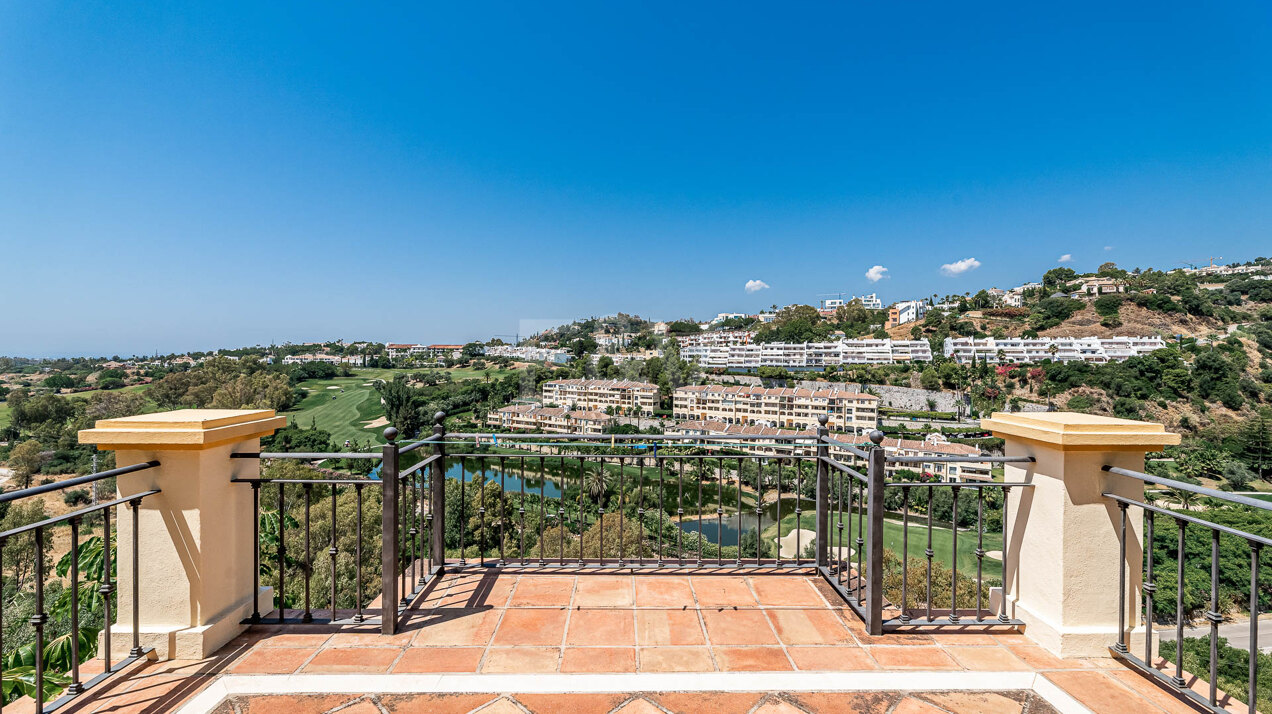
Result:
1238,633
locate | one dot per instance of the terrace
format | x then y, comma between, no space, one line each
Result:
562,574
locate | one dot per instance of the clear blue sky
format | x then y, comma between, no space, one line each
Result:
187,176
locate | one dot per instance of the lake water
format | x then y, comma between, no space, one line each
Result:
728,531
470,470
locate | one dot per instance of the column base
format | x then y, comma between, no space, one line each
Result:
187,643
1073,641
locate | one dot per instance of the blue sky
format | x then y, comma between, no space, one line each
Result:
186,176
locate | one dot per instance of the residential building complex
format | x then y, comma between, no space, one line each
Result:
1101,286
808,355
718,338
1057,349
621,396
849,412
907,311
936,445
703,427
526,353
351,360
870,302
400,350
553,420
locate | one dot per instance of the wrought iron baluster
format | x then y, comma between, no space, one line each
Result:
503,509
543,480
720,513
759,505
841,562
521,507
1251,692
1149,587
108,588
256,558
662,512
980,550
905,555
582,490
799,497
309,557
758,537
778,560
954,557
1214,616
282,555
600,505
76,686
929,552
481,511
357,556
697,476
621,506
680,511
861,541
1178,679
331,551
561,514
39,618
1121,580
1002,605
463,508
640,508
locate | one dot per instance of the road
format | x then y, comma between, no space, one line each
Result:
1237,633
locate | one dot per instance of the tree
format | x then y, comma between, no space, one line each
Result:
1057,277
1108,267
401,405
59,381
26,459
929,379
1256,443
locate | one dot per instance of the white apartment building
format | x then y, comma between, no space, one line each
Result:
397,350
624,396
351,360
527,353
870,302
906,311
1103,286
722,316
937,445
699,427
717,338
552,420
1057,349
849,412
808,355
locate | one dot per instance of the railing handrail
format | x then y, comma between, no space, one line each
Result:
959,484
311,481
853,448
1191,519
421,464
639,437
77,481
845,469
433,438
1199,490
75,514
977,459
307,455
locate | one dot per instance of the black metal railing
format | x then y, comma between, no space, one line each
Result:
32,668
1220,534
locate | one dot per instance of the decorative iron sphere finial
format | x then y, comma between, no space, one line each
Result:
439,417
876,436
823,418
391,434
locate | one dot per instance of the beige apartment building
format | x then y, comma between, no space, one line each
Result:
848,412
626,397
551,420
937,445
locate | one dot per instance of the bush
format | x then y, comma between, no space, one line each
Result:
111,383
1233,667
76,497
1080,403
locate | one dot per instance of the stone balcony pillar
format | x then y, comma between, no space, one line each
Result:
1061,564
195,538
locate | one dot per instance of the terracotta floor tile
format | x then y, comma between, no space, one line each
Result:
912,705
786,590
676,659
372,639
542,591
751,659
738,627
434,703
354,659
154,694
776,706
599,659
487,591
912,658
531,627
1148,689
601,628
640,705
987,659
808,627
604,591
521,659
1099,692
707,702
976,702
502,706
294,703
1012,638
1039,658
446,628
668,627
573,703
272,660
831,659
313,641
659,591
968,639
721,591
846,702
439,659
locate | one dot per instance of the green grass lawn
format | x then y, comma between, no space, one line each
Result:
942,541
5,416
343,411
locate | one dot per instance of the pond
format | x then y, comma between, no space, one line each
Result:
469,470
727,531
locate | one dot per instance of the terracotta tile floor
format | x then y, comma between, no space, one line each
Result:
532,623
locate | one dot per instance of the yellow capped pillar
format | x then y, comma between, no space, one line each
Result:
195,538
1061,564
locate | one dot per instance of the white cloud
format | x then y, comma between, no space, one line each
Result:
959,267
1066,258
876,273
1108,247
754,286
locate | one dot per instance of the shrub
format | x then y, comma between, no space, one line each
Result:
76,497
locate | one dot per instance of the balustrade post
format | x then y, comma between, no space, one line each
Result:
823,494
874,535
389,522
437,494
184,586
1067,561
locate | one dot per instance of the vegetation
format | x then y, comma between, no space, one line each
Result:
1233,668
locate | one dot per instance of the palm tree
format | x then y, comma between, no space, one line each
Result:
1187,499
